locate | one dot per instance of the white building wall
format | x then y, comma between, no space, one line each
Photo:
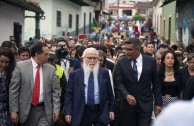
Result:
157,12
8,15
49,27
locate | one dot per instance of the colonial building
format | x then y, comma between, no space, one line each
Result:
12,13
62,16
168,21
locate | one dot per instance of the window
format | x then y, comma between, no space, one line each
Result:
70,20
127,12
141,11
58,18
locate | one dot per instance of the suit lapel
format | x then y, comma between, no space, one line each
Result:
143,67
100,79
30,72
130,70
81,79
44,75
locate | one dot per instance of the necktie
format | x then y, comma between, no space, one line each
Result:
135,69
36,90
90,95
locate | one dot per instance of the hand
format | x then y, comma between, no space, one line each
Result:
68,119
157,110
111,116
131,100
14,117
55,117
70,69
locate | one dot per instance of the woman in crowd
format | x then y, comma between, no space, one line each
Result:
187,71
169,78
7,64
110,53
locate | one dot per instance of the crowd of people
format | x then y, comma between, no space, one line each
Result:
100,79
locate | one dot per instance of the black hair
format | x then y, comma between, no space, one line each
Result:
135,41
8,71
111,50
37,48
176,63
7,44
23,49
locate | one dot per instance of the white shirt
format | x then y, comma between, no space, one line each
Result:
139,63
96,90
34,65
65,64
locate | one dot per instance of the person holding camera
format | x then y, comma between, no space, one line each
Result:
64,59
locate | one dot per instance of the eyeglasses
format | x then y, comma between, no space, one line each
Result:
92,58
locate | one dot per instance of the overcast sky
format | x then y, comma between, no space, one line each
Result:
112,1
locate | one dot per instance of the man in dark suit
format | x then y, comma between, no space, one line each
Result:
136,79
89,98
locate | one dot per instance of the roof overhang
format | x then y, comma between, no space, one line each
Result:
166,2
24,5
83,2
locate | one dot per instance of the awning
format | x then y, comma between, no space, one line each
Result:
24,5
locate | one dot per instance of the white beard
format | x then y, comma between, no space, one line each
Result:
87,70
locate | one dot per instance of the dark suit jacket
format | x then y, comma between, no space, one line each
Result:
189,89
110,65
142,90
184,74
75,96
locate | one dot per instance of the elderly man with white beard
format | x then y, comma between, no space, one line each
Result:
89,99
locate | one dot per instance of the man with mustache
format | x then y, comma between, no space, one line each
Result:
89,98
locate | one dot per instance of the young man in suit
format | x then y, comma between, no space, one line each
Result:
34,95
137,80
89,97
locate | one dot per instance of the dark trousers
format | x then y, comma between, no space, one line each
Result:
90,116
134,116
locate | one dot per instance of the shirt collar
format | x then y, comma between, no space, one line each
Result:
34,64
139,59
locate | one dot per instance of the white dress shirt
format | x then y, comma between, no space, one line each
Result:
35,65
139,63
96,90
65,64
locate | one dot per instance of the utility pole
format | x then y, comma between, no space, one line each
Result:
118,3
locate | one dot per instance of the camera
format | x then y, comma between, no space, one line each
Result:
61,52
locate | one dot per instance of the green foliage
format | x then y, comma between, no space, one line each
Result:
138,17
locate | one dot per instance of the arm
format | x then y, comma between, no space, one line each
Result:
156,85
69,95
55,93
14,94
14,90
63,84
69,98
119,80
